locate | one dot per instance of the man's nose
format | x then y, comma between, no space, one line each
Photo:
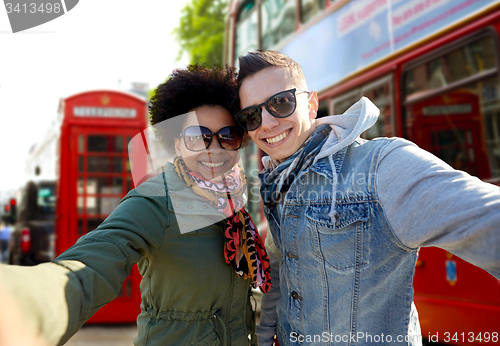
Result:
268,121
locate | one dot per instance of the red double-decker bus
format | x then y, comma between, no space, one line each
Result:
432,68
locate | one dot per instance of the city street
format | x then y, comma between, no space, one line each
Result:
104,335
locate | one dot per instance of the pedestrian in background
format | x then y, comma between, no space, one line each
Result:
5,232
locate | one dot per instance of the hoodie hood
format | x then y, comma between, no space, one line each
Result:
345,129
348,126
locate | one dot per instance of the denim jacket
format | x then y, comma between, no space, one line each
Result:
347,232
353,267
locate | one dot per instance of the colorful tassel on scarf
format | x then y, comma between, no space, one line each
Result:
243,247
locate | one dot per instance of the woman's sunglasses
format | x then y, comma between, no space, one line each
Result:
198,138
280,105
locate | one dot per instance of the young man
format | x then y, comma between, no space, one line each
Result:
348,216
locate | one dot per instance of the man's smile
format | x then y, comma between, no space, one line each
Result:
278,138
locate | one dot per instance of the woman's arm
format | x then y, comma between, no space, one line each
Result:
57,298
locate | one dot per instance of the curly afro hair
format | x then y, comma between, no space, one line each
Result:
187,89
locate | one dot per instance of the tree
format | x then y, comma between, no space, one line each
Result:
201,31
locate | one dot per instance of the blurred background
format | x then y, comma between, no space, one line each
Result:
73,92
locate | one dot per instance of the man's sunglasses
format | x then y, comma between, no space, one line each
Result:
198,138
280,105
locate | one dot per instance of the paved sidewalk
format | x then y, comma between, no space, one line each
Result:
104,335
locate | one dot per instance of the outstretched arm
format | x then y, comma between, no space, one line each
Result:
15,328
428,203
57,298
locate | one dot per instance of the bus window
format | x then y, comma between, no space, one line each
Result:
380,93
46,199
490,109
459,123
343,102
324,108
246,36
245,9
452,126
278,21
461,63
310,8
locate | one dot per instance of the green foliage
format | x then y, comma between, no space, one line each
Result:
151,93
201,31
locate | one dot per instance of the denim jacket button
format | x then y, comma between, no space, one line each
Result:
291,255
295,295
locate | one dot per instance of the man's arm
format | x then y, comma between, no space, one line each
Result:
428,203
266,330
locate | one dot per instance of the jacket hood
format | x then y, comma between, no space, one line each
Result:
348,126
345,129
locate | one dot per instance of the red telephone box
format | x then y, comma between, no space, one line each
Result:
94,174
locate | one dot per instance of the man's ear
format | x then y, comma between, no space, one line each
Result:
313,105
177,142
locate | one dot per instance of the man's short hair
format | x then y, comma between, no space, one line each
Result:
254,62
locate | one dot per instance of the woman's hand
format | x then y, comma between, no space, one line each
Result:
13,327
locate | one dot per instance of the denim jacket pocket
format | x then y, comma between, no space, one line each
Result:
343,245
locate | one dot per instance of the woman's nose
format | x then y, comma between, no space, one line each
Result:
214,143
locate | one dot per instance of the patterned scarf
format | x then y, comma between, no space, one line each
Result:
243,247
281,175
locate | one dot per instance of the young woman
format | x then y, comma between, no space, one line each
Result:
197,281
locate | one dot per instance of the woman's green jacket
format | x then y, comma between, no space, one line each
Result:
190,296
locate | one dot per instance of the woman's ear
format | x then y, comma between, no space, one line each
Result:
177,146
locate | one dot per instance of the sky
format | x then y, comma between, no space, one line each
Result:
93,46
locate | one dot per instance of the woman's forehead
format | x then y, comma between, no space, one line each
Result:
214,117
